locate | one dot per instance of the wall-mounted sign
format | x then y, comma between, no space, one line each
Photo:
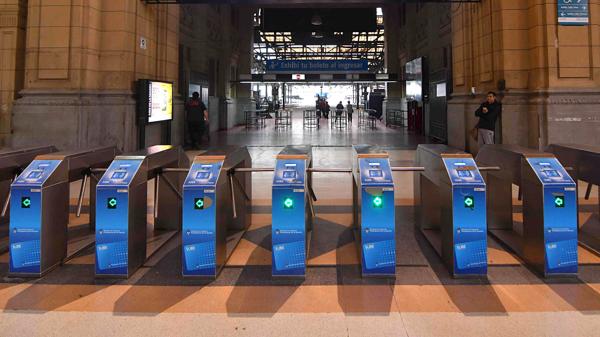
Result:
317,66
573,12
298,77
143,43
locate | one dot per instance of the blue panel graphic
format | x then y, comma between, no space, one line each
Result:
378,227
199,220
289,256
199,256
112,218
26,217
379,255
288,230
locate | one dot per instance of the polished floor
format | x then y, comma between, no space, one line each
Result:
333,300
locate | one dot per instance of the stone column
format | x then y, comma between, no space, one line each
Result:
393,100
81,66
13,18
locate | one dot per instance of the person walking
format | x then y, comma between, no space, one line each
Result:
197,116
488,114
350,111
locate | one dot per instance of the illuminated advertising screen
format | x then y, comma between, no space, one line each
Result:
414,80
160,102
155,101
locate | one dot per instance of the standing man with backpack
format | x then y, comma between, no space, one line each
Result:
197,117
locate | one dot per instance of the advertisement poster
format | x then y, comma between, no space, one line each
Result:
160,102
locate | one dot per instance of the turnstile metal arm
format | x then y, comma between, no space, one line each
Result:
252,169
330,170
407,169
588,191
232,194
171,185
81,193
489,168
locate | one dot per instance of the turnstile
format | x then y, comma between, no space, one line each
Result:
374,211
40,209
585,161
121,208
292,211
547,238
216,210
12,163
450,196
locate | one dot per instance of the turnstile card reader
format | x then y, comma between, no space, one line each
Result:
451,203
554,217
199,234
291,211
468,218
216,210
38,235
374,211
547,237
121,218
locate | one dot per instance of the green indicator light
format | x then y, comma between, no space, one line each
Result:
111,203
25,202
559,201
198,203
378,202
288,203
469,202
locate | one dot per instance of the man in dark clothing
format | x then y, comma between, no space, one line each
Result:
197,115
350,111
339,109
488,114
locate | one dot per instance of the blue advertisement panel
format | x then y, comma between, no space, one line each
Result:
378,227
469,216
560,215
199,229
26,217
288,230
573,12
317,66
112,217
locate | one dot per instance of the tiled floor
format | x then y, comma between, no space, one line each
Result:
333,300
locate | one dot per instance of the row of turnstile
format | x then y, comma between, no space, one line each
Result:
458,200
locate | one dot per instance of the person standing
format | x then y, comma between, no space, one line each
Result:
488,114
197,116
350,111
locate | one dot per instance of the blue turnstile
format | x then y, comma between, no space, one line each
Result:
291,210
216,210
547,237
374,211
451,203
38,236
40,199
121,208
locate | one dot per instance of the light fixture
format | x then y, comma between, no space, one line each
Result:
317,35
316,20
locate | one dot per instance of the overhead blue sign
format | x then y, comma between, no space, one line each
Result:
573,12
317,66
